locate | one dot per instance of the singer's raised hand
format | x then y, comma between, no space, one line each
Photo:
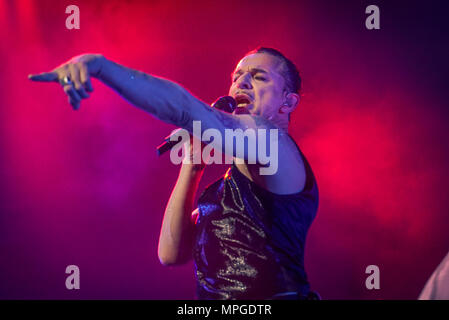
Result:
74,76
193,154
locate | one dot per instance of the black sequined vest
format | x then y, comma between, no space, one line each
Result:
249,241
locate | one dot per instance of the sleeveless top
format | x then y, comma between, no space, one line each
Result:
249,242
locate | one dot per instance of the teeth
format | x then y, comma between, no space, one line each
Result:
242,100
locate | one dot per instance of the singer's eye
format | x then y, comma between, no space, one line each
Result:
236,77
260,78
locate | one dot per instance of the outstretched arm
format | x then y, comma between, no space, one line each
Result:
173,104
162,98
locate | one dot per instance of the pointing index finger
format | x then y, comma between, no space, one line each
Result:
44,77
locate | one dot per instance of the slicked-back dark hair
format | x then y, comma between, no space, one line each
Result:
289,71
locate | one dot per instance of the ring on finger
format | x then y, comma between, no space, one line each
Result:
65,81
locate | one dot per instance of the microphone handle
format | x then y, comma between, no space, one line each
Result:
167,144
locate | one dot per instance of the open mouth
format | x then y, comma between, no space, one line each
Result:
242,100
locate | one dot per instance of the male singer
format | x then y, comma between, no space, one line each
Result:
247,234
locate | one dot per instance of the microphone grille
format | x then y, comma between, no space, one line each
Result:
225,103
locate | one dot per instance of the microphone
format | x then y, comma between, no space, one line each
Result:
226,104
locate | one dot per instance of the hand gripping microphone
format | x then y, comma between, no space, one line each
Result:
225,104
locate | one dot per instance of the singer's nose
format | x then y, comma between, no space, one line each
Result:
244,82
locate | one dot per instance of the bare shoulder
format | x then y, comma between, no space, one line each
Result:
287,174
277,163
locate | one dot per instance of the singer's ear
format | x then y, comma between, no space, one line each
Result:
291,101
